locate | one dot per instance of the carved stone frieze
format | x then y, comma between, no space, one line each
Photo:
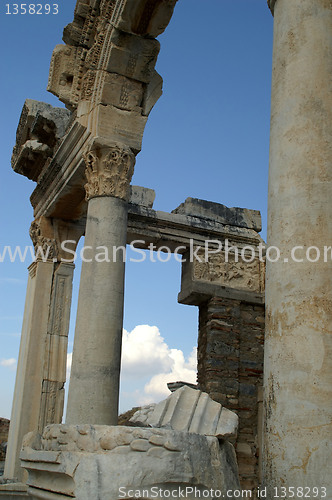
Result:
239,276
109,171
229,271
131,56
65,72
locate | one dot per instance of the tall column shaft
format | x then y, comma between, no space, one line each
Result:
94,381
298,343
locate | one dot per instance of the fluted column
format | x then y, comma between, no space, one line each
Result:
94,382
41,369
298,342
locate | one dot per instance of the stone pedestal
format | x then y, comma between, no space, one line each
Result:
94,382
298,355
87,462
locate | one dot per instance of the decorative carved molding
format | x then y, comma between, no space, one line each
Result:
109,171
47,236
41,234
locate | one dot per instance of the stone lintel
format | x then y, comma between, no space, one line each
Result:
234,216
60,189
198,293
163,228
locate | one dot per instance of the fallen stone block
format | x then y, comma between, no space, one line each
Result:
189,410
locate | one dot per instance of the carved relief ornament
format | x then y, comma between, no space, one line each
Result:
45,246
109,171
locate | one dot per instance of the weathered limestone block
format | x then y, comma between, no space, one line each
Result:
142,196
190,410
40,128
221,275
75,33
144,17
88,462
64,73
118,125
132,56
153,91
121,92
240,217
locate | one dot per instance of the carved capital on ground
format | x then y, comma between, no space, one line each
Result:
109,171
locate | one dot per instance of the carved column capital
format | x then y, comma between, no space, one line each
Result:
54,239
271,4
109,171
42,236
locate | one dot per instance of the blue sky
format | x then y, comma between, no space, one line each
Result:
207,137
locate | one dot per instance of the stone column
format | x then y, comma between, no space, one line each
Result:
41,370
94,382
298,345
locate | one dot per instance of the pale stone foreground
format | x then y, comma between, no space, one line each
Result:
87,462
178,448
190,410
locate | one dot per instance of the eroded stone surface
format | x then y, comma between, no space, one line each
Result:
240,217
190,410
59,465
40,128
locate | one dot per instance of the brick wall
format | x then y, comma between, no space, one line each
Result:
230,370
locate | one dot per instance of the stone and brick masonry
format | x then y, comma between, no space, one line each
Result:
230,370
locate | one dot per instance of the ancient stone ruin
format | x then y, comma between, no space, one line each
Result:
82,159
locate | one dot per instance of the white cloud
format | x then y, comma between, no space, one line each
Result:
144,352
182,370
146,356
9,363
